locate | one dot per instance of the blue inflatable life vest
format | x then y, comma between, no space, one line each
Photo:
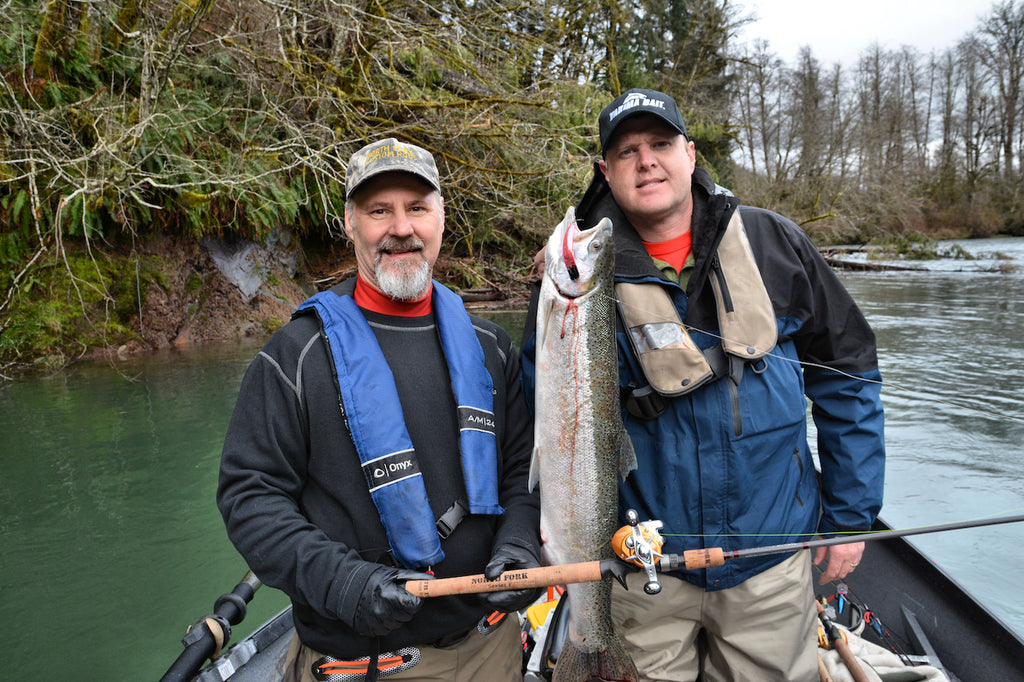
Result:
374,418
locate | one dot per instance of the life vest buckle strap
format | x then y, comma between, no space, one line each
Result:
451,519
643,402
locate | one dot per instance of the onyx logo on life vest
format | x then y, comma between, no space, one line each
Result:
390,469
476,419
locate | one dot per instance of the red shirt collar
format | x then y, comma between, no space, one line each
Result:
675,251
366,296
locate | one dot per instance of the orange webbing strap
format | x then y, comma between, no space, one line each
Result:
391,662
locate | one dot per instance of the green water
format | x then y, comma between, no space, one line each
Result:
111,542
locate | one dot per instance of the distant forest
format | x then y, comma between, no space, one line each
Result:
901,141
120,119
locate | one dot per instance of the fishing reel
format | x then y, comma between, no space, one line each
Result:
640,543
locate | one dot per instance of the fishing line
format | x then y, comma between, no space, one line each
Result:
815,365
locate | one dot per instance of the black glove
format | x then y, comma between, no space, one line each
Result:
385,604
505,558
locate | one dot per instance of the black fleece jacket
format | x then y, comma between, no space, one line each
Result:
295,501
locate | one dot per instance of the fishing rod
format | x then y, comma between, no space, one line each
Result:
704,558
639,544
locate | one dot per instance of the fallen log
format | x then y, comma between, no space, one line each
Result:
840,264
477,295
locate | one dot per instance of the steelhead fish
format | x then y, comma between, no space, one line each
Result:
581,446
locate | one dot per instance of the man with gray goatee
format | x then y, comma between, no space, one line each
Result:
381,436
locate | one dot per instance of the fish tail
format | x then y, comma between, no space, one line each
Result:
613,664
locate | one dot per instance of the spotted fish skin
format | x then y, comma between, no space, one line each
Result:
580,445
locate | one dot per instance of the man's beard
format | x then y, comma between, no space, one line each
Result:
402,281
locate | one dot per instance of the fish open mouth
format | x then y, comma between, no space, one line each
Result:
575,288
567,255
570,294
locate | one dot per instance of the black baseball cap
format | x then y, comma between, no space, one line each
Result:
638,101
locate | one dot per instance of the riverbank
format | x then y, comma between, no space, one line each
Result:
173,292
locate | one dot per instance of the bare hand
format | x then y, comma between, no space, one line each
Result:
538,263
842,560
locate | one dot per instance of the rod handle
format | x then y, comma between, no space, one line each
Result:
703,558
516,579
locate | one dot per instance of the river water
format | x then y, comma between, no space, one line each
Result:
111,544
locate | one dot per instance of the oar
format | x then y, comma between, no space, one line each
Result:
589,571
205,639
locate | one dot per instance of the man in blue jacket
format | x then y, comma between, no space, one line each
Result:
729,321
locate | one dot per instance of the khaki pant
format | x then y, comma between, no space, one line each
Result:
762,630
497,657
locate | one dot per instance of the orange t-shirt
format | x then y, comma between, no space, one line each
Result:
675,251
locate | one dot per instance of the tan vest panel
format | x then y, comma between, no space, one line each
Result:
670,359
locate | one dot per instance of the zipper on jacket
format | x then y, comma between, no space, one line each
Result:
737,413
719,274
800,468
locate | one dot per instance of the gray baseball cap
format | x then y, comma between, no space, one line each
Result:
390,155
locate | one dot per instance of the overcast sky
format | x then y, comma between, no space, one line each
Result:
840,31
